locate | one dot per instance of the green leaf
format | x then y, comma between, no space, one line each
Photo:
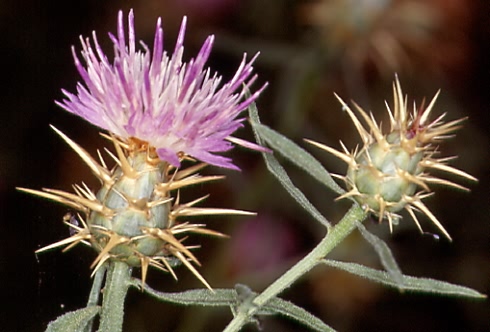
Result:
288,309
385,255
74,321
95,292
199,297
297,156
278,171
411,284
231,298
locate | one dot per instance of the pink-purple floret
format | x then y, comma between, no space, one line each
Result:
175,106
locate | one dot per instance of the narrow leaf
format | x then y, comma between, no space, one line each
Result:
297,155
292,311
278,171
385,255
411,284
199,297
75,321
230,298
95,292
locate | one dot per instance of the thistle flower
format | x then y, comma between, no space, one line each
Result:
385,173
178,108
159,113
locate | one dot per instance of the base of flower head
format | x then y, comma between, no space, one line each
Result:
171,254
134,216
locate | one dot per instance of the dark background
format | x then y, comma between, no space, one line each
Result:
309,49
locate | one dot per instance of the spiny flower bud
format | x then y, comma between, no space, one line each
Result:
133,217
386,172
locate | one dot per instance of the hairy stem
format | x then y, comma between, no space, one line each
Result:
93,298
115,290
329,242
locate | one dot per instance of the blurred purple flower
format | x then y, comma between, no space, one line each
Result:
178,108
252,250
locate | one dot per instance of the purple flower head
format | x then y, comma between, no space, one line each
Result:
177,107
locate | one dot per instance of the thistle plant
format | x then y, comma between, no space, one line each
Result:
167,120
382,179
159,113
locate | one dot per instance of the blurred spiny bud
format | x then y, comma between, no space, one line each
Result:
389,34
133,217
390,172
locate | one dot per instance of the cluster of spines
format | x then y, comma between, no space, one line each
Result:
86,202
416,135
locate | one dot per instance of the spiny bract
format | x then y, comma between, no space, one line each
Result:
133,217
384,175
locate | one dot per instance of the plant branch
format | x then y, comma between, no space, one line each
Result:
336,234
115,290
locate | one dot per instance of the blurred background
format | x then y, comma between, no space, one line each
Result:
309,49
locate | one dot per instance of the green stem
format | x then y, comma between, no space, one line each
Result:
115,290
329,242
93,298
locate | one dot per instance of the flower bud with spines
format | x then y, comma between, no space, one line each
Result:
386,172
133,217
